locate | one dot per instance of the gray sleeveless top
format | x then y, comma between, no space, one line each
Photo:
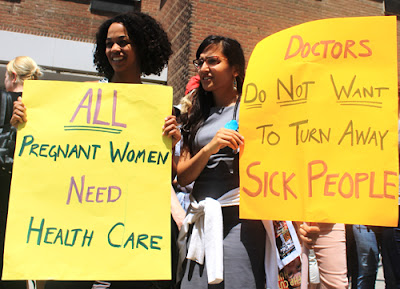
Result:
221,174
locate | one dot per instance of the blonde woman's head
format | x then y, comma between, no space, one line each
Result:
20,69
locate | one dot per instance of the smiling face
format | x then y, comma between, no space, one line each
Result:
121,54
216,76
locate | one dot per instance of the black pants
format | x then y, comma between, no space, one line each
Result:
5,182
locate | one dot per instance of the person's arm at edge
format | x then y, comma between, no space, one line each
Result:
19,113
177,212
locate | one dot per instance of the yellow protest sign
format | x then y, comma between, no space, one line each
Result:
90,194
319,118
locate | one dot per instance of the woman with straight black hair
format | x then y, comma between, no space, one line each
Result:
217,249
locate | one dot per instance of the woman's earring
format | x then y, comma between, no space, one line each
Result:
234,84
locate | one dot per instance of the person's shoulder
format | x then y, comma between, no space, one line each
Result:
13,96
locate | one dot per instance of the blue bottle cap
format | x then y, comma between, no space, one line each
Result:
233,124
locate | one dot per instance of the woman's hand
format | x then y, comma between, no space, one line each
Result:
190,167
19,113
309,234
171,129
224,138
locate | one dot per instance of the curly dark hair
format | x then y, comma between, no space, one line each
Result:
203,100
149,39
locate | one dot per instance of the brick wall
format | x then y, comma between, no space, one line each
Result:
250,21
175,18
67,19
151,7
187,22
72,20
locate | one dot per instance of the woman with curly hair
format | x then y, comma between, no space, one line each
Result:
128,46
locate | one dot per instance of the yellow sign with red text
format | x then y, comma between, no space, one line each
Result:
320,120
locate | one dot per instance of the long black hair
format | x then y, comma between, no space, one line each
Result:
202,100
149,39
